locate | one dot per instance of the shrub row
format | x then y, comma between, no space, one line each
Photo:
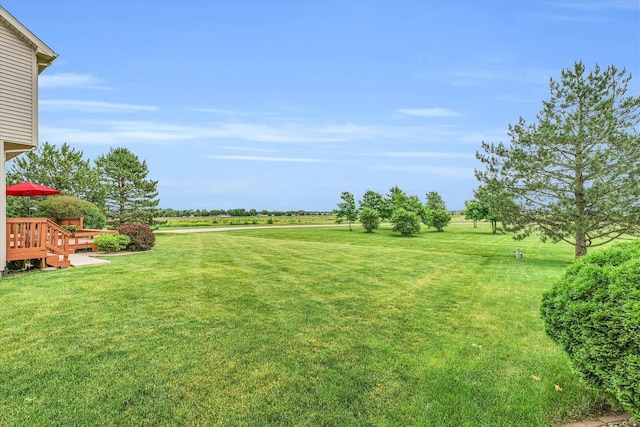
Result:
133,237
111,242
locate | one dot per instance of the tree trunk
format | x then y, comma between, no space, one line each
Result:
494,226
579,190
581,244
475,223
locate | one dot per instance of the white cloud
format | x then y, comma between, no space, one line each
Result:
233,113
91,106
267,159
233,135
424,155
494,136
450,172
516,99
201,188
474,77
110,132
222,111
113,133
67,80
245,149
292,132
584,19
597,6
428,112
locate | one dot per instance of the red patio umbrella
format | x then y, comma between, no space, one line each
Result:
28,189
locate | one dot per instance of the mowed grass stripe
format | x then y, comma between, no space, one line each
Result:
290,327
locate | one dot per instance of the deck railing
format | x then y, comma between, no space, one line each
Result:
35,238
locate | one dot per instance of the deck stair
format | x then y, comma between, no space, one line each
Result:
58,261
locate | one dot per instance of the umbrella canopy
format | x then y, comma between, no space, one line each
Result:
29,189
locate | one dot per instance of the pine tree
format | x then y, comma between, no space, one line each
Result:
575,175
130,196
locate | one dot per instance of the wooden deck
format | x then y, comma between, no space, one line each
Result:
45,242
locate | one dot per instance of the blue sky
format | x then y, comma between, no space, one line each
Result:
283,105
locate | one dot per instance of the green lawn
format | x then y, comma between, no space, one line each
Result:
216,221
300,326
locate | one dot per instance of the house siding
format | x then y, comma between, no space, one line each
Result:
18,88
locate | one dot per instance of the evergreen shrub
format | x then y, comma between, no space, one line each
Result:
111,242
141,235
593,312
94,219
123,241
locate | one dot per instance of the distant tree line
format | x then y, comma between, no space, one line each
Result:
182,213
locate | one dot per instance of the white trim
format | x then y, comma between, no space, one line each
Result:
3,211
44,54
34,104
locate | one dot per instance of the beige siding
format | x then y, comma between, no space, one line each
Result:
18,89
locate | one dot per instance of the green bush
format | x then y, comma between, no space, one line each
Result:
70,228
437,218
107,243
63,207
111,242
406,222
93,217
593,312
370,219
141,235
123,241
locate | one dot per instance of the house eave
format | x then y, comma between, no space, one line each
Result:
45,55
